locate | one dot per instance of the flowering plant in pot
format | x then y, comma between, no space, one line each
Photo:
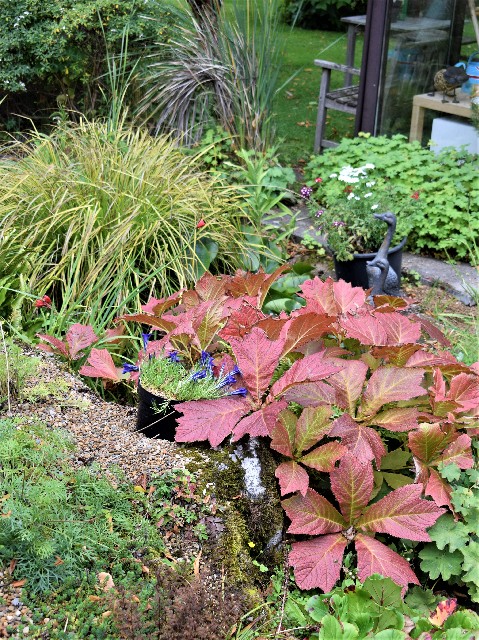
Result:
345,209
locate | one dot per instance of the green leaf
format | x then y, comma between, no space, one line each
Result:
396,459
436,562
420,600
450,472
390,634
465,619
317,608
396,480
331,629
471,562
383,591
390,619
448,532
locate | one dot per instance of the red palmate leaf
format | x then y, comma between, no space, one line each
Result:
385,304
399,329
319,297
292,477
399,419
210,287
55,345
211,420
363,443
149,319
375,557
207,319
434,332
347,297
317,562
311,394
313,424
324,457
439,490
312,514
348,383
257,358
365,327
254,284
464,389
158,306
283,434
429,441
389,384
302,329
272,326
259,423
309,369
101,365
458,452
352,485
427,359
241,321
79,337
401,513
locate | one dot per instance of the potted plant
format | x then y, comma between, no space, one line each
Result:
351,202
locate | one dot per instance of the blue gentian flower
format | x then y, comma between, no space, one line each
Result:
199,375
207,361
173,356
235,371
239,392
145,337
128,368
229,379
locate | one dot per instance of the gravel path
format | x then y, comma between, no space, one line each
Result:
104,434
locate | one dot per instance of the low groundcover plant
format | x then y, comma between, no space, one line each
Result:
361,403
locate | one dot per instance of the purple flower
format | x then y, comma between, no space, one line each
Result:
238,392
145,337
206,361
235,371
199,375
173,356
319,213
128,368
305,192
339,223
229,379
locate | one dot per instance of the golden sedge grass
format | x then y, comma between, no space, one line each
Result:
87,211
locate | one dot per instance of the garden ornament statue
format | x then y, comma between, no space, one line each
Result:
381,276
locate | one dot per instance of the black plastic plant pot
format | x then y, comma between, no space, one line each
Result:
354,271
156,416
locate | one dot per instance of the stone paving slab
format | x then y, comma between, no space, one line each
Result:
460,279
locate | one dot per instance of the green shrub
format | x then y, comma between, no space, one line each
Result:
55,50
321,14
447,184
100,218
15,367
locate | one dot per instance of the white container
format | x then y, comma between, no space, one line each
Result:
447,132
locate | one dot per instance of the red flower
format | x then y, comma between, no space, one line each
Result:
415,195
348,189
200,224
318,179
43,302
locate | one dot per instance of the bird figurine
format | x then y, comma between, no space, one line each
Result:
381,276
448,80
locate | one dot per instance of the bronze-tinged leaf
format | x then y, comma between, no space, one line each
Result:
317,562
458,452
397,356
210,287
389,384
241,320
385,304
428,359
319,297
150,320
428,442
55,345
323,458
365,327
348,298
352,485
375,557
255,285
312,514
207,320
79,337
257,359
362,442
464,389
259,423
401,513
348,383
284,433
292,477
439,490
309,369
211,420
101,365
313,424
311,394
158,307
302,329
433,332
399,419
400,330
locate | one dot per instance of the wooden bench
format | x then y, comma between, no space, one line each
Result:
344,99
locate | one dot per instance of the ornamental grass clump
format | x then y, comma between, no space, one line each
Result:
96,217
348,201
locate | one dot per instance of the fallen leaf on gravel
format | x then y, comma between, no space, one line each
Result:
94,598
105,580
18,583
106,614
144,568
196,564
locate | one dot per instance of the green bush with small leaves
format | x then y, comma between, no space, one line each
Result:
447,185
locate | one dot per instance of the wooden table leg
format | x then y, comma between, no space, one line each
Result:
350,50
417,123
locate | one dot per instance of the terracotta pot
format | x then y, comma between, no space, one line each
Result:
154,424
354,271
